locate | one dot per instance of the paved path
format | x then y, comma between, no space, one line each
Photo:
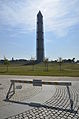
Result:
48,102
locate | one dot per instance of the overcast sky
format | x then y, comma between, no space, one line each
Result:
18,28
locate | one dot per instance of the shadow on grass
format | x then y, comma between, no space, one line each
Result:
3,72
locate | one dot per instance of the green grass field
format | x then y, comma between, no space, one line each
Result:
67,69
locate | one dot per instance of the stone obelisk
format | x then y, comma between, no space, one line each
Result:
40,38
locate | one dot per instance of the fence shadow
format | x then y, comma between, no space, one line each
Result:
38,105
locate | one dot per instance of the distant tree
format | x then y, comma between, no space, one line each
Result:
60,63
12,58
73,60
46,64
6,62
77,61
33,62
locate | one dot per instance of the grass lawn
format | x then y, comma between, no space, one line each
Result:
67,69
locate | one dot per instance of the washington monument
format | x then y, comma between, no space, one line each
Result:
40,38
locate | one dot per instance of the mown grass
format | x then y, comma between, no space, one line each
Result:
67,69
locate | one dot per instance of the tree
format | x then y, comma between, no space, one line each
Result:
73,60
60,62
46,64
6,62
33,62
